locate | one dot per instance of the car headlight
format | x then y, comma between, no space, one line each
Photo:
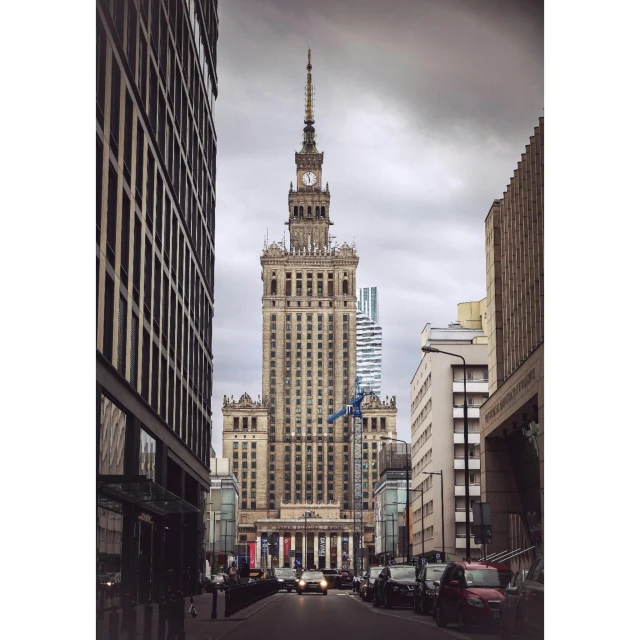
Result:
395,588
323,583
109,584
301,583
280,580
475,602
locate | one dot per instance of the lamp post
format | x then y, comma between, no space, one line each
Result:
407,480
428,349
306,515
439,473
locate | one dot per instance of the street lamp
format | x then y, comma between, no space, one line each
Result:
439,473
428,349
306,514
407,478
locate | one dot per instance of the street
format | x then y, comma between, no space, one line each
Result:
316,617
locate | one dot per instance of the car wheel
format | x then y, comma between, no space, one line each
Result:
376,604
289,590
462,621
299,593
325,592
416,605
440,621
386,601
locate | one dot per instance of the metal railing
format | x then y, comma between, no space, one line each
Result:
239,596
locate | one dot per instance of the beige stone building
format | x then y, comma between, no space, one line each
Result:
308,373
437,433
512,420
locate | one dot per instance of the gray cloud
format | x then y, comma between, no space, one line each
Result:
422,109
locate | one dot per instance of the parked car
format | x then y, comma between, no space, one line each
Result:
394,586
312,581
470,593
286,578
509,605
345,579
530,603
332,577
424,591
368,583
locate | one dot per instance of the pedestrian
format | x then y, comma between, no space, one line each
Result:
233,573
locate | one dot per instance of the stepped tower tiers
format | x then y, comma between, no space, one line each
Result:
309,203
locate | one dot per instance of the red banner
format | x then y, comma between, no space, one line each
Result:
287,547
252,555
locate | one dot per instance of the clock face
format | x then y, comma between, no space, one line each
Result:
309,179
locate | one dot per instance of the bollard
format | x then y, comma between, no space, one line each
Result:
227,602
114,620
131,624
214,603
148,622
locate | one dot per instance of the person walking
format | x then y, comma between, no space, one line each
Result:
234,576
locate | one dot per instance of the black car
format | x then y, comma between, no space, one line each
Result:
345,580
286,578
312,582
529,604
332,576
395,586
424,591
509,605
368,583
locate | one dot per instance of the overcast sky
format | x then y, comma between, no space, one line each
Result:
422,109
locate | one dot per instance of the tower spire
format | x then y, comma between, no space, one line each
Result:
308,116
309,142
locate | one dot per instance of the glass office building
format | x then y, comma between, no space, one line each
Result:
369,340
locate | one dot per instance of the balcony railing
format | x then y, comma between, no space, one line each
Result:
469,406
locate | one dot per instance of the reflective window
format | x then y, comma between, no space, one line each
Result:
113,423
147,455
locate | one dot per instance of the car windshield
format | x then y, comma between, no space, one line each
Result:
435,573
285,573
403,573
487,578
312,575
330,572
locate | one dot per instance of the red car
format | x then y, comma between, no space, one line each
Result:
470,593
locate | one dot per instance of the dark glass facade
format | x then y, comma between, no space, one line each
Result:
156,87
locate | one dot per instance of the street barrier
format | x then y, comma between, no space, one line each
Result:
239,596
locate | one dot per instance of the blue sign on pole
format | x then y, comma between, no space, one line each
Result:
297,562
437,557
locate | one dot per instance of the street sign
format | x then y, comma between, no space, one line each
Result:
483,536
292,553
437,557
297,562
424,560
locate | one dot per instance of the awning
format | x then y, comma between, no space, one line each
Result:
144,492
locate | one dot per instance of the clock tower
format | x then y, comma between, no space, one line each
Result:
309,203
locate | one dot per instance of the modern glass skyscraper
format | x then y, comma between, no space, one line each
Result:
368,302
369,340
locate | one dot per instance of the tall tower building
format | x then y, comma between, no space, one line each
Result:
369,340
368,302
155,221
308,373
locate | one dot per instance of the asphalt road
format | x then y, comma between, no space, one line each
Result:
340,614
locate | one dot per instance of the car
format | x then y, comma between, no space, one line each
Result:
424,591
345,580
368,583
470,593
509,605
530,603
286,578
394,586
332,577
312,581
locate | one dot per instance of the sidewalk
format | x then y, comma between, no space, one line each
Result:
198,628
